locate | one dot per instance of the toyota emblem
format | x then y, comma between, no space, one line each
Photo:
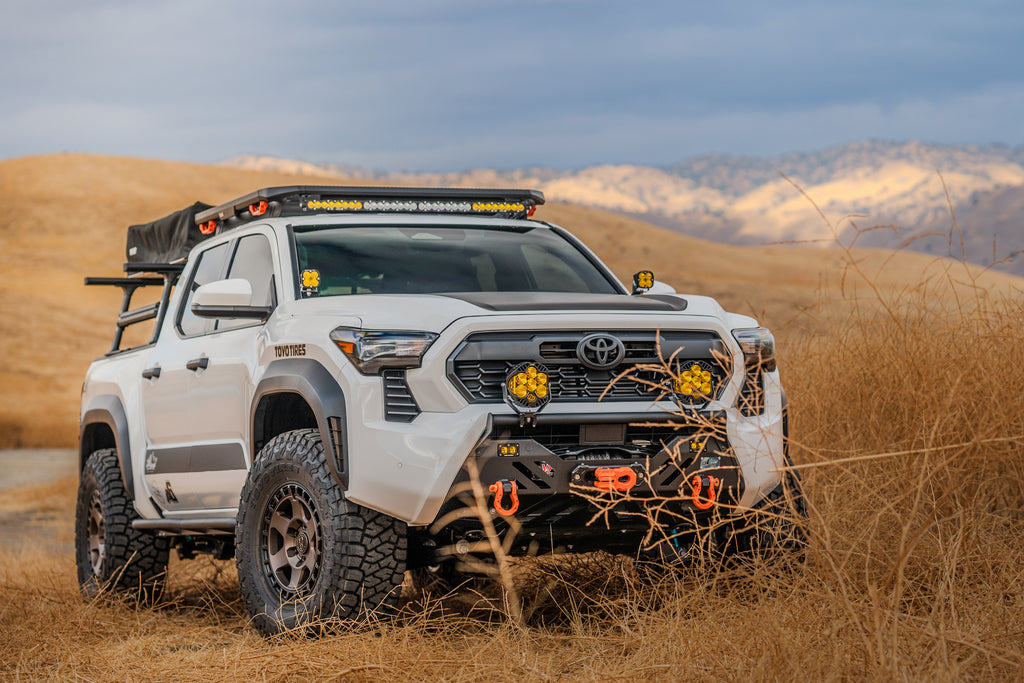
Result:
600,351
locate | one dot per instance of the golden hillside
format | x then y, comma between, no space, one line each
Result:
66,215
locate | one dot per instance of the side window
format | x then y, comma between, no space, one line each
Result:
208,269
253,262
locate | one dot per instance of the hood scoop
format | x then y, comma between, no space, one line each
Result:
565,301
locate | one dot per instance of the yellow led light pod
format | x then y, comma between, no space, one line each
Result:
642,281
696,383
526,389
311,278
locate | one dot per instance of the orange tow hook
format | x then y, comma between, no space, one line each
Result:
699,483
618,478
505,486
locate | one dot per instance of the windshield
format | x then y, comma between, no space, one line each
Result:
431,260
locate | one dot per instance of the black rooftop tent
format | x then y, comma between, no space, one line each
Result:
167,239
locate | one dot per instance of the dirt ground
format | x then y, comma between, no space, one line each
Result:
36,491
21,467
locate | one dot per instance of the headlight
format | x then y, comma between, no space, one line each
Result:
372,351
758,346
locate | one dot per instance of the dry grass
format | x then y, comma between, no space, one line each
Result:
908,426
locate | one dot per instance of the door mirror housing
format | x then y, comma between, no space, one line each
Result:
227,299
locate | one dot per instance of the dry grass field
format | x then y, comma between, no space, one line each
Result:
903,377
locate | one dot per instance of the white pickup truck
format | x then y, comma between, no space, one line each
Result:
326,361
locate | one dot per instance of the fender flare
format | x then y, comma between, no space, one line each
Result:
108,410
318,388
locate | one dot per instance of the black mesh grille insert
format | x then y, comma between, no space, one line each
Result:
483,380
399,405
481,364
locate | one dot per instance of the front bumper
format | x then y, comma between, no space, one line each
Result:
409,470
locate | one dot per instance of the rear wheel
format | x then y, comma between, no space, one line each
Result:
305,554
110,554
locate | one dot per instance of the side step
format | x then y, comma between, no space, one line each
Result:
199,526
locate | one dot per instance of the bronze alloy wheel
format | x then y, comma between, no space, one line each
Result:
290,540
97,534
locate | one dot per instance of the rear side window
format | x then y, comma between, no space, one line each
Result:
252,261
210,268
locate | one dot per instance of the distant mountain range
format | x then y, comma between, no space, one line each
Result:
747,200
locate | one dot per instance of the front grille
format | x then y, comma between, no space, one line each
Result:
399,404
479,367
483,380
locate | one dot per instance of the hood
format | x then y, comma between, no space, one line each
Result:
435,312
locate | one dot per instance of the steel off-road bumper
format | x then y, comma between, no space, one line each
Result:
413,467
577,484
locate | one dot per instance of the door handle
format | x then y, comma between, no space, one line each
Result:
198,364
151,373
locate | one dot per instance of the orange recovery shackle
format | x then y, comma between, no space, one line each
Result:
618,478
505,486
713,484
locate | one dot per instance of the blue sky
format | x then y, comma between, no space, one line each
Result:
453,84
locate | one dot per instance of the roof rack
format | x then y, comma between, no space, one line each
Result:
168,272
298,200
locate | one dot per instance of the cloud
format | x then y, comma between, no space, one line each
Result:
452,84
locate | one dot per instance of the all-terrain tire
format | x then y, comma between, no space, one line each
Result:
306,556
111,555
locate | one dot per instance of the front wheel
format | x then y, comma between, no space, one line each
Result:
304,553
110,554
778,526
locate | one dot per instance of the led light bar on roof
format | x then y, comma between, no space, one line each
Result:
377,205
304,199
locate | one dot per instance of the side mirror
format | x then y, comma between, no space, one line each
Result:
227,299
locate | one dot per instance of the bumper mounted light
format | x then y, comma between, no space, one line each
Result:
526,390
